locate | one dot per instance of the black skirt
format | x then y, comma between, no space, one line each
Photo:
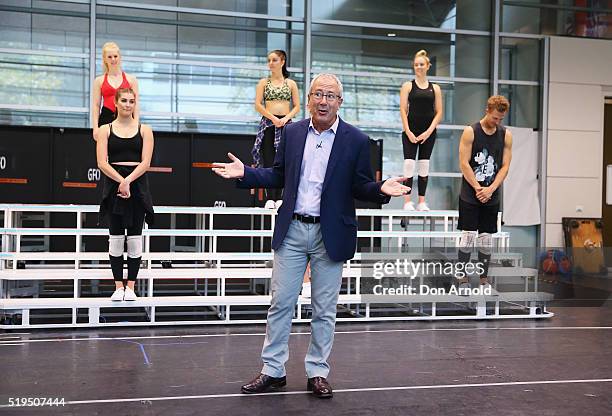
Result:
106,116
140,197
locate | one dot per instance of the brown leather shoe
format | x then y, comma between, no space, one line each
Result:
263,384
319,387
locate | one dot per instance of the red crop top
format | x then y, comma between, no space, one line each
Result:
108,92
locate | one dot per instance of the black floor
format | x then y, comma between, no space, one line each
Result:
510,367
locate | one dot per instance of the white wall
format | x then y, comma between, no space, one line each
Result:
579,73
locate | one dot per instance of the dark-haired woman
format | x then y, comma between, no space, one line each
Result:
277,99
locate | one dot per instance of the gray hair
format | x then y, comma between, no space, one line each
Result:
326,75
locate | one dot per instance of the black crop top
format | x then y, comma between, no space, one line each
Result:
124,149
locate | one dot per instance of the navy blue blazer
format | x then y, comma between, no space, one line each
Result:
348,176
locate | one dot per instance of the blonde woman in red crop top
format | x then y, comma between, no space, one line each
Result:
105,86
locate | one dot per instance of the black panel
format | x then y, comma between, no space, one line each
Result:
25,165
208,188
76,177
169,178
363,244
376,148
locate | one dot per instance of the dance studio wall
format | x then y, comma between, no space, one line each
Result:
47,165
56,165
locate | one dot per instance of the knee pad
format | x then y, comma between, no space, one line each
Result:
409,168
423,167
115,245
134,246
484,243
467,240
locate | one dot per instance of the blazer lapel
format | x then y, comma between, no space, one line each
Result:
336,152
300,143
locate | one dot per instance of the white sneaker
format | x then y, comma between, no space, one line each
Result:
129,294
269,204
118,295
486,287
306,289
409,206
422,206
278,204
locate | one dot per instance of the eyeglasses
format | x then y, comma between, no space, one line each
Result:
318,95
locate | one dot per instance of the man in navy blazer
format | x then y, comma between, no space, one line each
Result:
322,163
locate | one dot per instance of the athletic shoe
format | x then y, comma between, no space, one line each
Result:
278,204
129,294
409,206
486,286
306,289
118,295
422,206
269,204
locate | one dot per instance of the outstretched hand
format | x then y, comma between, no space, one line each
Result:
233,170
394,187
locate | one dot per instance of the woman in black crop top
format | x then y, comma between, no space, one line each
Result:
421,111
124,150
277,99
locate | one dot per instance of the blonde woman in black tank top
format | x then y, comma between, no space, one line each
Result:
421,112
124,150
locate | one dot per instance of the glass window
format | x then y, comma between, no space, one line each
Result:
372,50
464,103
520,59
43,80
44,31
465,14
36,118
199,37
270,7
528,17
524,105
222,92
445,155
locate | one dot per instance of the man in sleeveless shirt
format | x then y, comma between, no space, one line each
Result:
485,151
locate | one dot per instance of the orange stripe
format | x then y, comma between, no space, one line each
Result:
159,169
205,165
79,185
17,181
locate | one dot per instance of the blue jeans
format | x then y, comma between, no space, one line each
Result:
302,243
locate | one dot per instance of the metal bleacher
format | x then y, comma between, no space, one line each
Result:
205,284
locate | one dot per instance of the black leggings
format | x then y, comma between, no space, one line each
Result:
267,158
425,150
116,228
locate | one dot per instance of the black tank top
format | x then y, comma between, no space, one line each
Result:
486,160
124,149
421,109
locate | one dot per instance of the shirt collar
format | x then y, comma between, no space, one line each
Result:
333,128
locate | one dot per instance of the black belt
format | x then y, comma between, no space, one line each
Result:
307,219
